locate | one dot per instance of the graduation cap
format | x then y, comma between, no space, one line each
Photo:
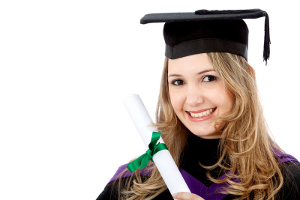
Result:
206,31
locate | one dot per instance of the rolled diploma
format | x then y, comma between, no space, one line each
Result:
162,159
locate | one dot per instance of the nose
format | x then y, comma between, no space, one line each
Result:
194,96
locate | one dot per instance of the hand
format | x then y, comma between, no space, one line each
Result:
186,196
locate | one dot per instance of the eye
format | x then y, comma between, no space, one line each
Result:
209,78
177,82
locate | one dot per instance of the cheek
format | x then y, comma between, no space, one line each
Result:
226,101
176,101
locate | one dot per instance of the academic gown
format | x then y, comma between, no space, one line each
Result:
206,151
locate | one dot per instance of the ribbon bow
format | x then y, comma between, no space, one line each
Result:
143,160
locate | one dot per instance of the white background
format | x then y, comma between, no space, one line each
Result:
66,66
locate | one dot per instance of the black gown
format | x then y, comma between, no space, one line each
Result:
206,151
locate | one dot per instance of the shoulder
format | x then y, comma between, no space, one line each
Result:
291,184
123,172
291,172
122,179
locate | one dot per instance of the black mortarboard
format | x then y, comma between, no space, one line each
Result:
206,31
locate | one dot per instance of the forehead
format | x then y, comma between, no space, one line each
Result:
190,63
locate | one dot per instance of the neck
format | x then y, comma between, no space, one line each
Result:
216,135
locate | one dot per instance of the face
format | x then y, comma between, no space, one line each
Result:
197,94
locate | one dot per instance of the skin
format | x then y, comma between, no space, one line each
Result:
193,86
192,90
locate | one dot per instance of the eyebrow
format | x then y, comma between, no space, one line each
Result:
202,72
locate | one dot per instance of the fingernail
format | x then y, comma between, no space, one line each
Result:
174,195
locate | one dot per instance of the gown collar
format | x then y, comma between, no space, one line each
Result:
203,150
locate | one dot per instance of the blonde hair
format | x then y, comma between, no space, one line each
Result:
245,143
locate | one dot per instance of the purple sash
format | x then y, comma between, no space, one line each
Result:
197,187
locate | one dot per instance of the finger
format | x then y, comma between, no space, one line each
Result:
186,196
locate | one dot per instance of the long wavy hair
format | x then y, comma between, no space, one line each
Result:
245,145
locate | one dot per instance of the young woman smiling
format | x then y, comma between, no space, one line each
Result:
197,94
210,117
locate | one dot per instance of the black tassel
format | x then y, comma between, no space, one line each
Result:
244,14
267,42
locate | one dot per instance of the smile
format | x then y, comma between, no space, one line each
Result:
200,116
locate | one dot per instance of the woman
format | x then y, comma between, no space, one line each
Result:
210,116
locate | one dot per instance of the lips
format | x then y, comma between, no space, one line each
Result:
201,115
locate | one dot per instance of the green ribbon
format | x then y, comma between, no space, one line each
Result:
143,160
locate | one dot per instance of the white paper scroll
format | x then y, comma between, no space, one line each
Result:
162,159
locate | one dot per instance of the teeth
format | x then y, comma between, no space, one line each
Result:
205,113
